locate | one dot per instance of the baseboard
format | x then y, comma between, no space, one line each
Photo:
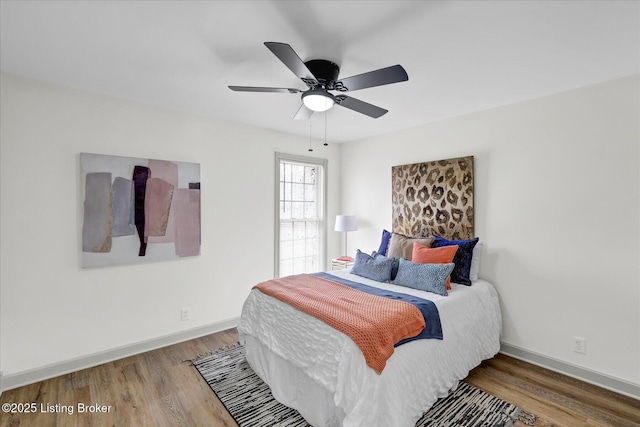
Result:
592,377
31,376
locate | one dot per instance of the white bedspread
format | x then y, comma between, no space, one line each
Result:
284,345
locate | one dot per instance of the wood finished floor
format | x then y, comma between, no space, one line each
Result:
157,388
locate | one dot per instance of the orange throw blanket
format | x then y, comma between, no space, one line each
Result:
374,323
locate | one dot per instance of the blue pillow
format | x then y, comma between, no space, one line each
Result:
394,267
371,268
462,259
384,243
425,277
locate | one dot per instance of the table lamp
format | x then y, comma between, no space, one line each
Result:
344,224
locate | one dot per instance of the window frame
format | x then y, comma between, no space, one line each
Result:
322,228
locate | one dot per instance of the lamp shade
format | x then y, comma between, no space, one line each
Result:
346,223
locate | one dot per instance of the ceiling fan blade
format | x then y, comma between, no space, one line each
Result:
264,89
360,106
383,76
303,113
290,58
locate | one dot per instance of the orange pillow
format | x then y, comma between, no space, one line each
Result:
425,255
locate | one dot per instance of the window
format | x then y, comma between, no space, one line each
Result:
300,194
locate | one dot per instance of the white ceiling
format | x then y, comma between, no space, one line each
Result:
461,56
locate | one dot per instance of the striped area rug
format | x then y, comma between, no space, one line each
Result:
250,403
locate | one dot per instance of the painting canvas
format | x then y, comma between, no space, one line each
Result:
434,198
138,210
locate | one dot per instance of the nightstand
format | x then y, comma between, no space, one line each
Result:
338,264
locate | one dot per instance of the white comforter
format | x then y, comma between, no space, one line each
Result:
284,346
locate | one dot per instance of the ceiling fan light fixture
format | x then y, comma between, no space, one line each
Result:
318,100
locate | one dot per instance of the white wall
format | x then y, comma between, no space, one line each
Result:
557,187
54,311
557,201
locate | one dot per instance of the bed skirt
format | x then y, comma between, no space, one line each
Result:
292,387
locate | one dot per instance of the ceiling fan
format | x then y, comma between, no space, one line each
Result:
321,76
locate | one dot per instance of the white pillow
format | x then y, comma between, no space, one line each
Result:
475,261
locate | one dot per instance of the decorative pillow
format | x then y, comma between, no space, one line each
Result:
384,243
394,267
401,246
462,259
475,261
371,268
425,277
425,255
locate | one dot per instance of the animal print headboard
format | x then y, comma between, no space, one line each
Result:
434,198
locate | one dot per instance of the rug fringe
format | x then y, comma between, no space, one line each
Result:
526,418
199,356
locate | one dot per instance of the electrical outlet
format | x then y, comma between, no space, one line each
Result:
185,314
579,345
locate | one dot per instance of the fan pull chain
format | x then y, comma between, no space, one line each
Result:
310,149
325,129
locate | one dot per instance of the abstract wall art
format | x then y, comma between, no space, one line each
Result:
138,210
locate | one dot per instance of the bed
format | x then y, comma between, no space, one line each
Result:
322,372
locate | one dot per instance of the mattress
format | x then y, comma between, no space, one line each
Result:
322,373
